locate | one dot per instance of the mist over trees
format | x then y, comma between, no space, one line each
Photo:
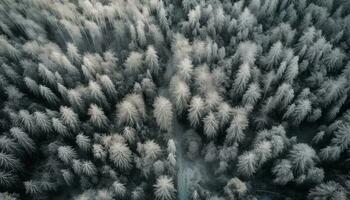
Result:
183,99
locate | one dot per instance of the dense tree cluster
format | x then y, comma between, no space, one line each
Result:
93,95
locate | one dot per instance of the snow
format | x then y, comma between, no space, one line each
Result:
190,172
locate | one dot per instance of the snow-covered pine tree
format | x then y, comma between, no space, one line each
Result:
164,188
163,112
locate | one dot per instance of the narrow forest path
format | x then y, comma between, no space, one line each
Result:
183,172
189,172
183,178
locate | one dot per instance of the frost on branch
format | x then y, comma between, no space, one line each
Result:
164,188
159,99
163,112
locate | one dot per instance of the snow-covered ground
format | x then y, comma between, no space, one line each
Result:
184,173
189,172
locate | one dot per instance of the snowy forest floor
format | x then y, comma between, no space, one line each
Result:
189,172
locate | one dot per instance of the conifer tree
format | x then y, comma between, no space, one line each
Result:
163,112
97,116
23,139
242,78
180,92
83,142
66,154
328,190
211,125
283,172
120,155
127,113
69,117
247,163
164,188
152,60
302,157
196,110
